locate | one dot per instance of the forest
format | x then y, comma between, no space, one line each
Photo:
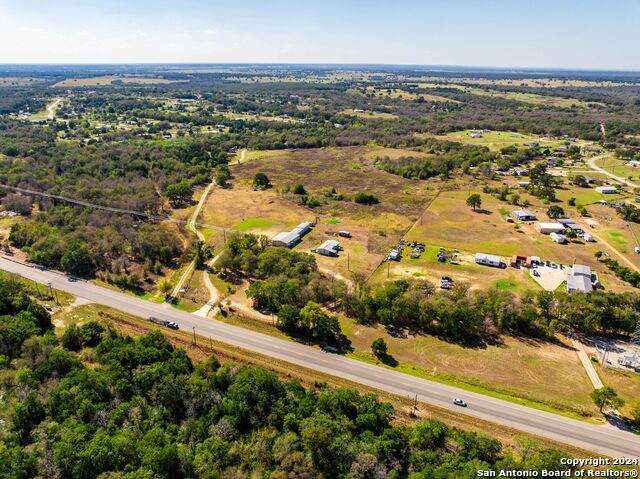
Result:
93,403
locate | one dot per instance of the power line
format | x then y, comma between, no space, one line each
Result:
113,209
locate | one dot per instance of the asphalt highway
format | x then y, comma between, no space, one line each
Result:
603,439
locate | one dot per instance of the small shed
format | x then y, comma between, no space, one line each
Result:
558,238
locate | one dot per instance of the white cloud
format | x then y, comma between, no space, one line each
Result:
31,29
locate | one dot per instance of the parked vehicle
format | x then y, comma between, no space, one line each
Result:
163,322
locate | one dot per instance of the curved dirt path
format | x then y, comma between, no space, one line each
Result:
52,108
192,226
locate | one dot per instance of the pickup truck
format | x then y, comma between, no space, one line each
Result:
163,322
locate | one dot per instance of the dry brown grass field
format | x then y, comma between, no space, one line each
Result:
107,80
374,228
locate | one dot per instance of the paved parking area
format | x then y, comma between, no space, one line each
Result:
550,278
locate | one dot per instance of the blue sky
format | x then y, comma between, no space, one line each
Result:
602,34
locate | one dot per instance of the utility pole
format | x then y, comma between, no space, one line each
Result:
194,335
414,408
388,269
348,264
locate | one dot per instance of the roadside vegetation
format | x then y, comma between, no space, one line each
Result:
144,408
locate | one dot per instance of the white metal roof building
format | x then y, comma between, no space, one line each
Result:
580,280
606,190
579,284
523,215
328,248
547,228
293,237
581,270
489,259
558,238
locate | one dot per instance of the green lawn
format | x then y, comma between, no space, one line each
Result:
618,167
618,239
495,140
255,223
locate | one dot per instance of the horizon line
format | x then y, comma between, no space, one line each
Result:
329,64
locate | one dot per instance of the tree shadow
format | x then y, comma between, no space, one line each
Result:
483,211
387,360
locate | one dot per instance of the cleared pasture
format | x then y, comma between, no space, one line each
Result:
529,98
107,80
543,374
495,140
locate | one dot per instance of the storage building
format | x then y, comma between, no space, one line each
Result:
607,190
558,238
328,248
523,215
489,260
579,284
580,280
291,238
548,228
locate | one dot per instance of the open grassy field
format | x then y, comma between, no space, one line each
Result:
19,81
250,211
619,167
529,98
397,93
251,117
106,80
374,228
531,82
546,373
584,196
626,384
495,140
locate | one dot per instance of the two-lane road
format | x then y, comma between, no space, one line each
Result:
600,439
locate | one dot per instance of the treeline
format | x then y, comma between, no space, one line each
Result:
464,316
446,156
626,274
286,283
144,177
83,243
144,410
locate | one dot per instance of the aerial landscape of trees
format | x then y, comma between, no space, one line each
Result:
144,409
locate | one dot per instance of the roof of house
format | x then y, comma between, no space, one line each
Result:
523,213
331,245
553,225
579,283
286,237
581,269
